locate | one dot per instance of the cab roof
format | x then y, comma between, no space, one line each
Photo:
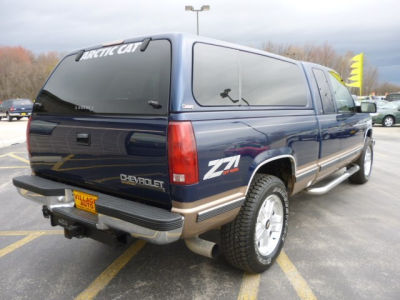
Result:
178,38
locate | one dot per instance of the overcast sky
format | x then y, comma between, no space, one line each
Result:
371,26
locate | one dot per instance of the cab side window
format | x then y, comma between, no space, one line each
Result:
228,77
269,81
344,101
324,91
216,75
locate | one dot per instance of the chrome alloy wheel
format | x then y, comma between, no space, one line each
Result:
388,121
269,225
367,161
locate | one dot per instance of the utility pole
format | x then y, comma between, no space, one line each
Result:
203,8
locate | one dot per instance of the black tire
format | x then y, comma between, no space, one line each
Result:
9,118
238,241
362,176
388,121
19,118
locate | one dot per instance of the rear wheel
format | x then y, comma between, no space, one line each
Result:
388,121
365,163
255,238
19,118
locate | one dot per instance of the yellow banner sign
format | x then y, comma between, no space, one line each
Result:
356,75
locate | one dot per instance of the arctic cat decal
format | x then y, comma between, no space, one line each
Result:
222,166
146,182
109,51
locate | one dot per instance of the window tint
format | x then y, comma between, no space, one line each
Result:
270,81
22,102
215,75
324,91
117,79
264,80
393,97
344,101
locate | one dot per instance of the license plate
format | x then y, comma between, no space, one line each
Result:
85,201
23,114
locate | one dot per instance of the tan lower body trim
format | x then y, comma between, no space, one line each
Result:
337,156
191,210
302,184
350,156
315,173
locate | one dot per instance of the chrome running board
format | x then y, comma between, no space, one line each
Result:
326,188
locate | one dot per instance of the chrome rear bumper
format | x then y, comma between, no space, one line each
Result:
142,221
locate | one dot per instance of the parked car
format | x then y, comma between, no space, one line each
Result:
375,98
363,98
226,145
15,108
356,100
387,114
393,97
381,103
378,97
370,98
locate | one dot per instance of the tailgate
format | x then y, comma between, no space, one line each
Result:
126,158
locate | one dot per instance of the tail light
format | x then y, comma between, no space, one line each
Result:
28,138
12,108
182,153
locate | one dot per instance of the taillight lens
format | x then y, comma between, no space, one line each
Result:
182,153
28,139
12,108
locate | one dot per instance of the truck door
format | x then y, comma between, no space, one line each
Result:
352,124
330,131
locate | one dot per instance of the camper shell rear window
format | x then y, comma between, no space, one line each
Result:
119,79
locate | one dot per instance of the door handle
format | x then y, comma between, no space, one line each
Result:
83,138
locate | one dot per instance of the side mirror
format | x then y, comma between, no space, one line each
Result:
368,107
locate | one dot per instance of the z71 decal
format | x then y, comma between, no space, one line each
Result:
222,166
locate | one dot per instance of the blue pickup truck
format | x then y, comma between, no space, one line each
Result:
15,108
169,136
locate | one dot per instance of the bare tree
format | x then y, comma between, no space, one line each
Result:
386,87
22,73
327,56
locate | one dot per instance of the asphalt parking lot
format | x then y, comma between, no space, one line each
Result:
343,245
12,132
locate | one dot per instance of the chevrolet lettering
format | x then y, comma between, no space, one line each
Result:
167,137
130,179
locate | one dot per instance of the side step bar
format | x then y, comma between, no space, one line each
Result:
326,188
